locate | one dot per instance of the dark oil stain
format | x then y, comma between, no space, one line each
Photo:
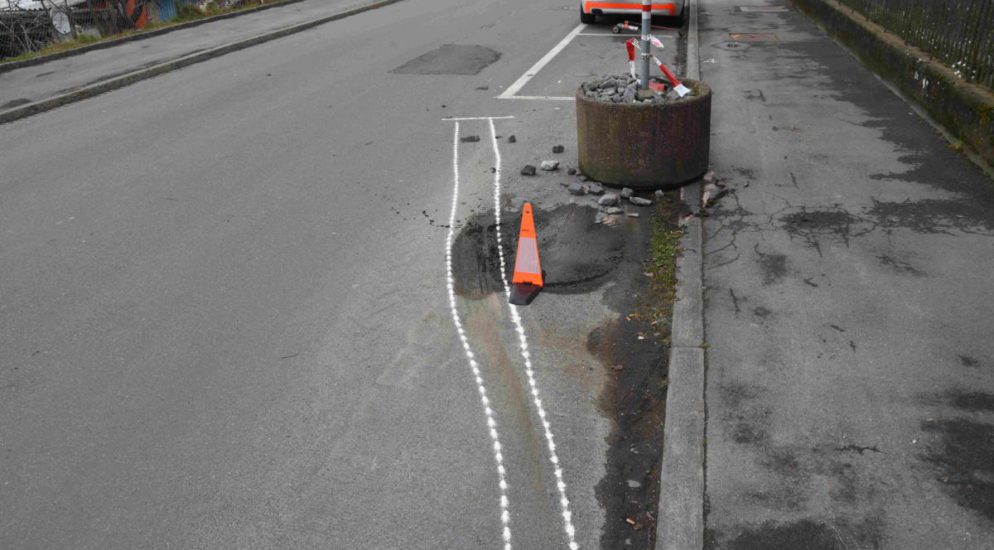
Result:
774,266
900,266
810,282
762,312
450,59
577,255
806,534
968,361
934,216
857,449
810,225
964,461
475,259
838,328
47,73
483,320
633,398
971,401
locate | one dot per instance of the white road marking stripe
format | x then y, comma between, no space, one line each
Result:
526,356
505,515
478,118
534,70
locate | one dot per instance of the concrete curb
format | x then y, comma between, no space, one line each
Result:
12,65
964,109
680,525
43,105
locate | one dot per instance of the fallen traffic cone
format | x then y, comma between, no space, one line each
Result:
527,280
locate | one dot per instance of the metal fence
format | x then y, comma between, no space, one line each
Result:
960,33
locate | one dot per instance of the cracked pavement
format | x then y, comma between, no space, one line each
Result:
850,385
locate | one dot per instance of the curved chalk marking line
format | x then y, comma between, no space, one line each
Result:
505,514
526,355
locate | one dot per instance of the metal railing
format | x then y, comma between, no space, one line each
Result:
960,33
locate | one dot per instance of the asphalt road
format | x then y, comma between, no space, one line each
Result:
224,315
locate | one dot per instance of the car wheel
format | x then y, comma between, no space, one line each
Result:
587,18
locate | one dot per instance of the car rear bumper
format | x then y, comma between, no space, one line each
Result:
665,8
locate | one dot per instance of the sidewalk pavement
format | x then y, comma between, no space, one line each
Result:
59,76
850,377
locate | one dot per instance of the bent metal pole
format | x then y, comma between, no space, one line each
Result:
644,43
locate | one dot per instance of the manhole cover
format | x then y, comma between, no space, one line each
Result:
753,37
762,9
728,45
450,59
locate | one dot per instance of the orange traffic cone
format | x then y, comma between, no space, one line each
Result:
527,280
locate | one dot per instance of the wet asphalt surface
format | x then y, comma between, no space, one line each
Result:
223,310
848,315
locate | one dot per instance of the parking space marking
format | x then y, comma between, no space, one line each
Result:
513,89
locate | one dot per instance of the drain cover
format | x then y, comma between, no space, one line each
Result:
729,45
753,37
762,9
450,59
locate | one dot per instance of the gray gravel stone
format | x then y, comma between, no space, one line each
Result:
609,199
613,210
571,171
550,165
470,139
632,214
595,189
627,193
576,189
639,201
528,170
558,149
512,139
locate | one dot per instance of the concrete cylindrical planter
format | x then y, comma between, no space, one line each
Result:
644,145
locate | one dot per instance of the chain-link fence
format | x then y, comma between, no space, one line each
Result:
960,33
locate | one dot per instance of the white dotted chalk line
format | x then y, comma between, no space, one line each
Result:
526,356
505,514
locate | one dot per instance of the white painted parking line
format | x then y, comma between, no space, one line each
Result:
534,70
542,97
458,119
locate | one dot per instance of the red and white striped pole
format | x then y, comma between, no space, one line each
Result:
644,43
630,46
677,85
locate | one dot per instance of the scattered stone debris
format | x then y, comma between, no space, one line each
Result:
624,89
470,139
512,139
528,170
550,165
613,211
627,193
632,214
712,194
609,199
583,177
659,194
709,177
558,149
639,201
571,171
577,189
595,188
